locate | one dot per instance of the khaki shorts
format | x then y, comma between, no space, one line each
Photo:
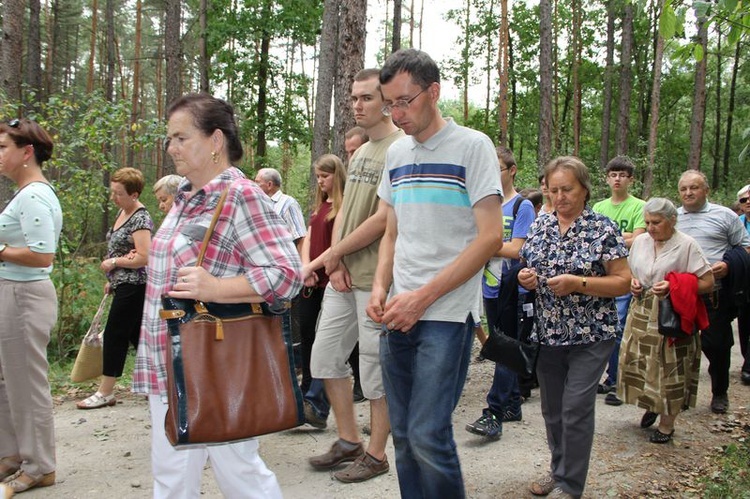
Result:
342,322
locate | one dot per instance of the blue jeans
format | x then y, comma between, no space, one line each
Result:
424,372
623,304
504,394
316,395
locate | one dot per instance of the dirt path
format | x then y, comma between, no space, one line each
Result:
105,452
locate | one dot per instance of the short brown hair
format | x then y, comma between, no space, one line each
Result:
130,178
24,132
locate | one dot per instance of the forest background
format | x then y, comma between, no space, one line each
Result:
662,81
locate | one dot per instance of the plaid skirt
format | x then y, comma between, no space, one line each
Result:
653,374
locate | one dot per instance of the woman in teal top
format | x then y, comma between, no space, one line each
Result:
30,227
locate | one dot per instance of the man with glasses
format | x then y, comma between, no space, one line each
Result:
442,189
351,263
626,211
743,315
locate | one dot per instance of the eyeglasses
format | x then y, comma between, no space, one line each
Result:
401,104
618,175
744,200
14,123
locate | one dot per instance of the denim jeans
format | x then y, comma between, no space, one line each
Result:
316,395
424,372
623,304
504,394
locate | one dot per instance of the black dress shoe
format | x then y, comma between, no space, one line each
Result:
648,419
745,377
719,404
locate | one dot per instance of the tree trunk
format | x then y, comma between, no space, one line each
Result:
13,15
92,45
544,144
263,71
576,11
465,55
135,97
503,67
172,55
34,56
326,74
717,127
351,49
698,119
648,177
396,40
626,82
608,74
730,109
203,46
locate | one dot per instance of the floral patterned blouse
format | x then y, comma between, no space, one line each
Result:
120,242
591,240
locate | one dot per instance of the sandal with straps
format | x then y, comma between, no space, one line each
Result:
658,437
96,401
8,467
21,482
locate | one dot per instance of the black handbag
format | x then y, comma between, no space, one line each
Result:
520,356
670,323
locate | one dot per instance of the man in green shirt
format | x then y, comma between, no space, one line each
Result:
626,211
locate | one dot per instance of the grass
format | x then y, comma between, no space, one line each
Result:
59,377
732,477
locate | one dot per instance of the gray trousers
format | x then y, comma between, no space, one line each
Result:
28,311
568,377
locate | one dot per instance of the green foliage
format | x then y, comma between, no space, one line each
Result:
732,479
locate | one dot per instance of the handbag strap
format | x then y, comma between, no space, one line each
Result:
97,320
210,231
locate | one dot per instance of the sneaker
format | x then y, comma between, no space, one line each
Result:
487,425
336,455
612,399
363,468
510,415
312,418
604,388
719,404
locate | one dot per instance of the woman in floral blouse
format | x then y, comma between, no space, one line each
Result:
576,260
125,266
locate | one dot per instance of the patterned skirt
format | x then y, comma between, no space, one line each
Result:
653,374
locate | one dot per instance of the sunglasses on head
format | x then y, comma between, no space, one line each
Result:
14,123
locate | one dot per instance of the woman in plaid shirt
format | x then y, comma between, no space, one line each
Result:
251,259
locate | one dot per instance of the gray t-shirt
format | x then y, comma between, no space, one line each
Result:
715,228
433,187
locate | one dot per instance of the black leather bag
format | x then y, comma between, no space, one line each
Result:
520,356
670,323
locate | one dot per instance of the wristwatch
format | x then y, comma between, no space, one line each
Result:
2,248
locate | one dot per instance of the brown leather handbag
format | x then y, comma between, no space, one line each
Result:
230,373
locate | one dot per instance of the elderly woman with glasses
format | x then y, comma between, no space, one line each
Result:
31,223
576,262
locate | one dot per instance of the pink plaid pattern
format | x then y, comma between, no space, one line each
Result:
249,239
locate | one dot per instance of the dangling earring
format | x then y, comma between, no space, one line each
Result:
214,157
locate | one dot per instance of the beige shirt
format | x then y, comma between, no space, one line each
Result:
361,202
681,253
